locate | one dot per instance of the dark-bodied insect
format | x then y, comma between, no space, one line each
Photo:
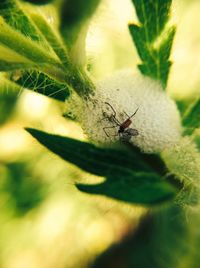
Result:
124,132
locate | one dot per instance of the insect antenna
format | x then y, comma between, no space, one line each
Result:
133,113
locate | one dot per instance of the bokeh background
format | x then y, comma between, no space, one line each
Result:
44,221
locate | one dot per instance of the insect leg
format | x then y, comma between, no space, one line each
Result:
104,129
116,121
114,112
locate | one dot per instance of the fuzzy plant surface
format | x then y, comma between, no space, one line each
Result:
139,139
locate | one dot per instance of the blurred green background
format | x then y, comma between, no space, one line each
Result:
44,221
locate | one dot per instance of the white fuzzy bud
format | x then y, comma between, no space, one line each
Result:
157,120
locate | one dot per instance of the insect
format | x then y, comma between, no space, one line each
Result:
125,133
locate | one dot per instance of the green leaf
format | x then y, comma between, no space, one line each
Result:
16,26
182,105
99,161
75,76
153,42
191,118
153,15
43,84
44,59
14,15
23,46
139,187
128,177
32,51
53,38
6,66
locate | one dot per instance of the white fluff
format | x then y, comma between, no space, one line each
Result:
157,120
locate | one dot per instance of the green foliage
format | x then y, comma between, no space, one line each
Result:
29,49
74,76
191,118
39,56
14,15
53,38
138,187
152,40
182,105
17,42
43,64
33,55
43,84
7,66
128,178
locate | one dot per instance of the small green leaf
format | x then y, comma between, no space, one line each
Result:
191,118
43,84
129,178
139,188
152,41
